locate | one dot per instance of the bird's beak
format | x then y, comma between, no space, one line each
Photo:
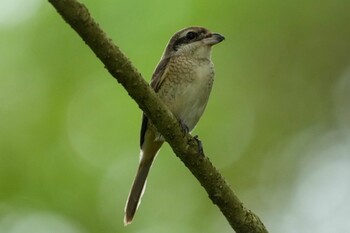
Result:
213,38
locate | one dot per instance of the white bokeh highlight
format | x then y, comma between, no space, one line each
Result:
37,222
14,12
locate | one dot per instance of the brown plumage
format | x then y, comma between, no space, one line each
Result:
183,80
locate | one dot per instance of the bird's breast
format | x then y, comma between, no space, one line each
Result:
186,89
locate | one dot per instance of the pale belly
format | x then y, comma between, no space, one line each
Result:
191,104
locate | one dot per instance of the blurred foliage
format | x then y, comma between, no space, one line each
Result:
277,124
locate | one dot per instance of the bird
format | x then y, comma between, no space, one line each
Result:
183,80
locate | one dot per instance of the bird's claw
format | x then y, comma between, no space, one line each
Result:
200,146
184,127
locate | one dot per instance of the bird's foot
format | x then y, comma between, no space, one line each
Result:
200,146
184,127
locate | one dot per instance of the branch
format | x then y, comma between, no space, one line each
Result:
185,146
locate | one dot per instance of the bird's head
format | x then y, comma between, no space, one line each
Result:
192,41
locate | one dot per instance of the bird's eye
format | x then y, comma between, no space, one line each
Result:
191,35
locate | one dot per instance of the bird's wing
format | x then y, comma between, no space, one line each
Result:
159,74
143,129
156,82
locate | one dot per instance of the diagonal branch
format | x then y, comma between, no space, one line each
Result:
185,147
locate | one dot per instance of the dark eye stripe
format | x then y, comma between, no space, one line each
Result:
179,42
185,40
191,35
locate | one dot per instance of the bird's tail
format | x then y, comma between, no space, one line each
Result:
138,186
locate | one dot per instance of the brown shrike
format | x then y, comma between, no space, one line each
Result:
183,80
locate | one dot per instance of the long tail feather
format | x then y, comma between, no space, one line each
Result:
136,191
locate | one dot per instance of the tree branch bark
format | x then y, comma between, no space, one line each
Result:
185,146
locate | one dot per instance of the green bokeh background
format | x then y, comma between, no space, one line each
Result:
277,125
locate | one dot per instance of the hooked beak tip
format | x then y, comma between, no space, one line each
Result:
219,37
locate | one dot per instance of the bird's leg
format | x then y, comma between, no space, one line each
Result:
184,127
186,130
200,146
